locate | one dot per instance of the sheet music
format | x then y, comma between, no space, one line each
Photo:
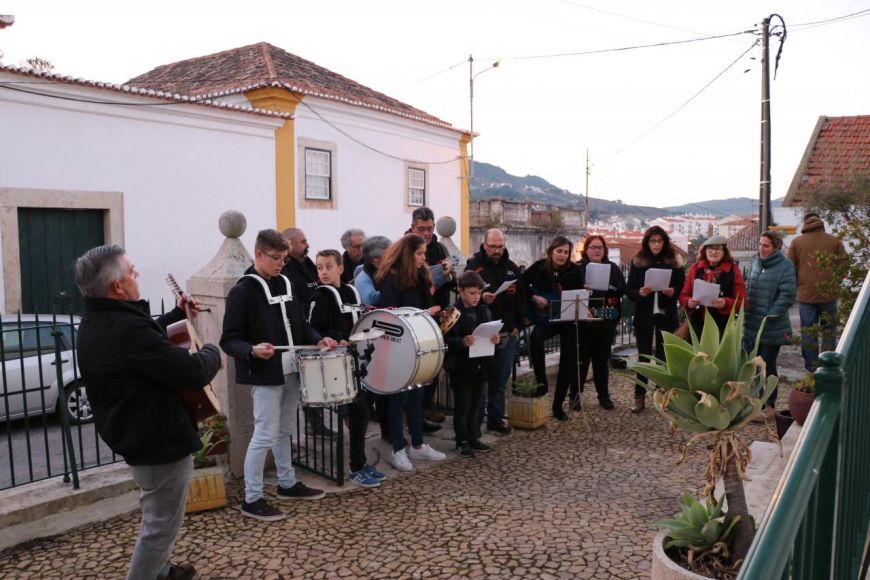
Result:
705,292
439,278
483,334
574,305
504,286
657,279
598,275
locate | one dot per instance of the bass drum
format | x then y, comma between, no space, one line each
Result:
408,355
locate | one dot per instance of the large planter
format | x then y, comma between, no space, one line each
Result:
527,412
663,568
207,489
799,403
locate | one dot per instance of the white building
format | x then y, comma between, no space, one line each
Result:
85,163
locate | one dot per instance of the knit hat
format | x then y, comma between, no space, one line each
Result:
715,241
812,223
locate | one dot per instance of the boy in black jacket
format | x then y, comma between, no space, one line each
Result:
326,317
467,375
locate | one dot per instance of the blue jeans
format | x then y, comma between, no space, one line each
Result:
274,422
499,372
812,314
162,496
410,402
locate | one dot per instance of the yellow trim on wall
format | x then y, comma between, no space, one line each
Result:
465,196
277,99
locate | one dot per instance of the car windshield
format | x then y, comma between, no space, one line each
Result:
28,339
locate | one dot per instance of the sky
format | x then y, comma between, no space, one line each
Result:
663,125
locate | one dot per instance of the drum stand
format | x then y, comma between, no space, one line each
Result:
577,304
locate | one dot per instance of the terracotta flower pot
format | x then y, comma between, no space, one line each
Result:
799,403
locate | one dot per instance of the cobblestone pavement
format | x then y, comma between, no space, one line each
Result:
550,503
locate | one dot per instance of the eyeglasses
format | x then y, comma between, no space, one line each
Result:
283,259
424,230
356,246
714,248
494,247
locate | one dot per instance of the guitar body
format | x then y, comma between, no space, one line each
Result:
540,317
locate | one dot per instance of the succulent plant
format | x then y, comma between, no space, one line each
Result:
698,527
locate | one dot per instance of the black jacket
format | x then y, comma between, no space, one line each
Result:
133,376
612,296
303,276
349,267
326,316
539,281
250,320
417,296
510,305
643,315
457,353
435,254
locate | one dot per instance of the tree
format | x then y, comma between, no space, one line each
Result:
39,64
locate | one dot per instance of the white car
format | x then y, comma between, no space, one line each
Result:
29,370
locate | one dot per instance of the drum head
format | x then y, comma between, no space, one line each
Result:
394,361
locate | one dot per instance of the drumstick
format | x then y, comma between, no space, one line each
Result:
299,347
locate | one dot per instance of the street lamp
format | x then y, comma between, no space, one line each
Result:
471,77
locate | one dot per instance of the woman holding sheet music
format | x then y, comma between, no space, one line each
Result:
714,266
606,285
656,309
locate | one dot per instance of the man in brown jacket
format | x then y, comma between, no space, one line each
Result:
815,307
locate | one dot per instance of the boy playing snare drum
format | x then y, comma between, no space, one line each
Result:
328,316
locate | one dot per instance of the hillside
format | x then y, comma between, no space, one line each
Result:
493,181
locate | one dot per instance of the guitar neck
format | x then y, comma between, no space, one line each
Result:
177,293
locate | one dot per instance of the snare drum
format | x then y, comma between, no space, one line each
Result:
409,353
326,377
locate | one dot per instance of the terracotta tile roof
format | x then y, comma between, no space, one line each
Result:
56,79
839,149
262,65
745,240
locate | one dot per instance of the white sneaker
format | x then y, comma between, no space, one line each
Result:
399,460
426,452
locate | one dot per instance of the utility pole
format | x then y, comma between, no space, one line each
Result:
586,205
764,211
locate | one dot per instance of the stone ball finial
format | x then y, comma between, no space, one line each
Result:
232,223
446,226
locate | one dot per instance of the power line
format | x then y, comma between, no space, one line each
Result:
6,86
433,75
833,20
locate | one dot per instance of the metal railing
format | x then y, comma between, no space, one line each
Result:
817,523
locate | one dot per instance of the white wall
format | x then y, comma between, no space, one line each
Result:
178,168
370,186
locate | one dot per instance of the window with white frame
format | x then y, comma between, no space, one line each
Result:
416,187
318,174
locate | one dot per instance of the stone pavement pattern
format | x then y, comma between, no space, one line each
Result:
549,503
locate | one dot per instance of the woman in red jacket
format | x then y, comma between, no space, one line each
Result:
716,266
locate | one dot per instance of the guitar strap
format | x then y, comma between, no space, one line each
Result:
288,358
342,307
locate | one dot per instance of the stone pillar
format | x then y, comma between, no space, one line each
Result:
210,285
446,227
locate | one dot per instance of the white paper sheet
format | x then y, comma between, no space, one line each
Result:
504,286
598,275
657,279
574,305
483,334
705,292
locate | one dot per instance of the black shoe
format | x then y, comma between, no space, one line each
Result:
184,571
606,404
465,449
300,491
541,391
478,446
430,426
261,510
559,414
499,427
576,405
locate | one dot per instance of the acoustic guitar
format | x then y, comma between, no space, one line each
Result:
541,316
202,403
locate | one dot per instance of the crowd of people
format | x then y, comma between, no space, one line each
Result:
133,373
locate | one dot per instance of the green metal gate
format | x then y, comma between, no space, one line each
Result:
49,241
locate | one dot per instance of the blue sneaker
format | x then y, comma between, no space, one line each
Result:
373,473
363,479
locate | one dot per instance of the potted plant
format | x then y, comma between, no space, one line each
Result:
526,408
712,387
801,398
207,488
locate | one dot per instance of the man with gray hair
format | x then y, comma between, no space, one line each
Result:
352,241
134,377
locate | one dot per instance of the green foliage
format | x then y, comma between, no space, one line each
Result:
525,386
213,434
698,527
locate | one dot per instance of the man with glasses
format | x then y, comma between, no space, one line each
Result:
352,241
260,308
496,268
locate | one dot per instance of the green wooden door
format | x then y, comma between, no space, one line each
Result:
50,240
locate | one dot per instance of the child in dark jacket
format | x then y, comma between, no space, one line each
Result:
327,317
467,375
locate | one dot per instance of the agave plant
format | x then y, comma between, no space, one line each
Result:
712,387
701,529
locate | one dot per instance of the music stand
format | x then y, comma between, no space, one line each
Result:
570,311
